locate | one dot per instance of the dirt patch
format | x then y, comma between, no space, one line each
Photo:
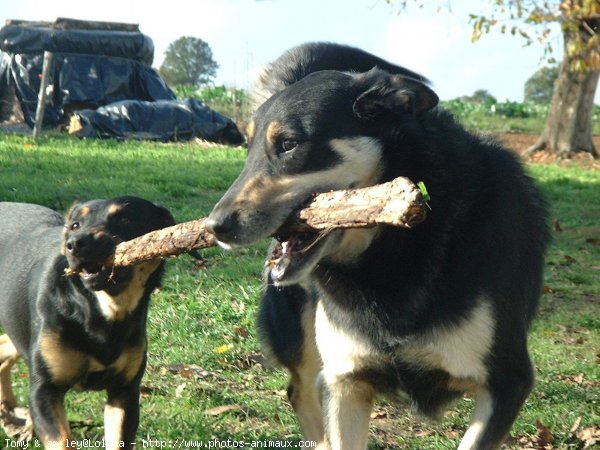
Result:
520,142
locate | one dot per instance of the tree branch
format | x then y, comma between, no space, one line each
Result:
396,203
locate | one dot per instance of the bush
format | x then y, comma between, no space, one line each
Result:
230,102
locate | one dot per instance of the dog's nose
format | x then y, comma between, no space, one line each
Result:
222,226
77,243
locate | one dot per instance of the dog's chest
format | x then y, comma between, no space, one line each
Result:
69,366
459,349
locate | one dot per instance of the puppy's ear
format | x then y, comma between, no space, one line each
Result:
395,95
166,215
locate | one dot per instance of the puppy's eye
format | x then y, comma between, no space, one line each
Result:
287,145
75,225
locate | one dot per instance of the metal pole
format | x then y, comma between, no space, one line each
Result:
41,106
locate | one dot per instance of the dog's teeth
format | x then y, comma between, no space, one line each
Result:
279,267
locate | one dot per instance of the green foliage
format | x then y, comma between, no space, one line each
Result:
505,116
227,101
540,86
188,61
532,19
202,335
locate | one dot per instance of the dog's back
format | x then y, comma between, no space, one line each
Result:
29,235
300,61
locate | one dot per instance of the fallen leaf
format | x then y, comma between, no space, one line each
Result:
241,332
423,433
187,370
576,425
237,305
589,436
544,436
217,410
179,390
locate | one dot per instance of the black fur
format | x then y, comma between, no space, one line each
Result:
482,244
311,57
56,321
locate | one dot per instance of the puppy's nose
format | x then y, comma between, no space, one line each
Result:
223,226
77,243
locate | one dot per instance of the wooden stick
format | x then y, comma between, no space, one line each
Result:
396,203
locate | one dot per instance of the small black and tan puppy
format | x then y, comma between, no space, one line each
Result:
87,330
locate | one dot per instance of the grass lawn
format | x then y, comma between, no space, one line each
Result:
203,381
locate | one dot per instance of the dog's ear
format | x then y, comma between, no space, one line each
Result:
166,216
395,95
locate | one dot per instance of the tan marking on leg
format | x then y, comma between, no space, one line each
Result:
60,442
129,361
64,363
305,396
114,416
347,403
8,356
347,406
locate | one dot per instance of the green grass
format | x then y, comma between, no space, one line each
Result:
203,317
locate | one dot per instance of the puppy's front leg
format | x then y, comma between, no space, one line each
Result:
48,414
122,416
8,357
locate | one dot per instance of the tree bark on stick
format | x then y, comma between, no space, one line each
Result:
396,203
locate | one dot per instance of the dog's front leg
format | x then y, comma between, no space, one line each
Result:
8,357
122,416
48,414
347,400
347,408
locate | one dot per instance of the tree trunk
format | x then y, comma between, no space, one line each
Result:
568,127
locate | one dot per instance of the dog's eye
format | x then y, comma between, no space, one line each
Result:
287,145
75,225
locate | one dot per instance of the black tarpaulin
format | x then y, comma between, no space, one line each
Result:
77,79
165,120
17,39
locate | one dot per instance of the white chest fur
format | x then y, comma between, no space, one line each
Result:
459,349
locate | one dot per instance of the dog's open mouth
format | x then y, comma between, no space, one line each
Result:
92,271
291,252
96,276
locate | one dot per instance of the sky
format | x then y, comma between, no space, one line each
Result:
246,34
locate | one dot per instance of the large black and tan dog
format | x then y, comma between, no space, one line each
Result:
87,330
430,312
